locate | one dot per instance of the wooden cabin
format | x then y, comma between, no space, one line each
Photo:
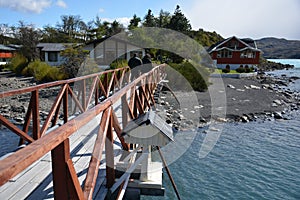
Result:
235,52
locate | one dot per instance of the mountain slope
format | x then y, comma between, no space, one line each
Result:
279,48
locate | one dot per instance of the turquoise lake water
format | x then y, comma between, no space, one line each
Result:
249,161
295,62
256,160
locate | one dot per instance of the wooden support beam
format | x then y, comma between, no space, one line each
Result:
15,129
35,114
65,180
84,94
125,110
77,103
66,105
54,107
92,89
93,169
118,130
109,155
26,123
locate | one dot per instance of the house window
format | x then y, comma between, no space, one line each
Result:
52,56
248,54
224,54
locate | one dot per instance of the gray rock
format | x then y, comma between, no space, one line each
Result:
254,87
277,101
18,109
244,119
278,115
231,86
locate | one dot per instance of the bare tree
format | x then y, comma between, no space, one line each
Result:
28,36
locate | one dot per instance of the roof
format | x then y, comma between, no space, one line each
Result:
6,48
147,118
114,38
248,42
54,46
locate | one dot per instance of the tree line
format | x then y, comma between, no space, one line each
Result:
73,29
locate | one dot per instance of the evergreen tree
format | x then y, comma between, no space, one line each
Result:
163,19
179,22
115,28
149,20
134,22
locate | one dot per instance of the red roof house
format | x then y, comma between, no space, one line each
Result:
235,52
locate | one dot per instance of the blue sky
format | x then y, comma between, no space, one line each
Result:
255,19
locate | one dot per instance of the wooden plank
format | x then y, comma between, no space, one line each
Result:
36,174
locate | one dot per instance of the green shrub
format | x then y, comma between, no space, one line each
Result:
248,70
43,72
18,63
198,81
119,63
240,70
54,74
225,70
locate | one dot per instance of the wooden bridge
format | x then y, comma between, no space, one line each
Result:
73,153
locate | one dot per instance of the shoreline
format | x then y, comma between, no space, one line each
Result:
247,99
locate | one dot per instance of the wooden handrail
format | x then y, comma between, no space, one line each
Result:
65,90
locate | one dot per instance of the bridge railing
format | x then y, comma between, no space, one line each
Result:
65,180
80,92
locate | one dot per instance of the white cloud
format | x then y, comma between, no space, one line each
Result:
36,6
256,18
101,10
122,20
61,3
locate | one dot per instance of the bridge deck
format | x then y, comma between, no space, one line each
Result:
35,182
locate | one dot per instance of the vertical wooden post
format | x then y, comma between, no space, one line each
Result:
97,92
124,110
65,181
27,121
84,95
109,155
105,83
35,114
65,106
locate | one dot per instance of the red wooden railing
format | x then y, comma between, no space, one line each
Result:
65,181
100,85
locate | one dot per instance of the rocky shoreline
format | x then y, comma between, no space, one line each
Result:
248,99
15,107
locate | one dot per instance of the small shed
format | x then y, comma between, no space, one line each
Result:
148,129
